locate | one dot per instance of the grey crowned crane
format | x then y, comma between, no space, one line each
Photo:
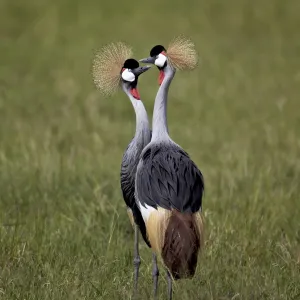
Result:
113,68
169,186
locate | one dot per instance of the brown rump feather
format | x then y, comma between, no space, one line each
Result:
182,243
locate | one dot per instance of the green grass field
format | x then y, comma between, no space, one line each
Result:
64,230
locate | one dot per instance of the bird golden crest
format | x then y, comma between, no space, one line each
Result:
107,65
182,54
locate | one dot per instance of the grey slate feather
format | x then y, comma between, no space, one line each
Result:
128,171
168,178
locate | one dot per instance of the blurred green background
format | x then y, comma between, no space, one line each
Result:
64,231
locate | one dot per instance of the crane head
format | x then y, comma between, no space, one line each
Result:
157,57
180,54
130,72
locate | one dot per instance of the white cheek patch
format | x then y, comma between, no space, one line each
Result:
128,76
160,61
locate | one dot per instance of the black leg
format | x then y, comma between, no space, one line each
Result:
169,279
136,260
155,274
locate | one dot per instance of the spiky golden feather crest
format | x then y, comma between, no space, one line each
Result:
182,54
107,65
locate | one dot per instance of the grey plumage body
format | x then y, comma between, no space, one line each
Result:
128,171
131,157
169,179
166,176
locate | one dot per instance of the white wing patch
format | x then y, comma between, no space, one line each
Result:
160,61
128,75
146,211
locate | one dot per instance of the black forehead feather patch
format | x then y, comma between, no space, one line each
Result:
157,50
131,64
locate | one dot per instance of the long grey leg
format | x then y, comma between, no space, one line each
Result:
155,274
169,279
136,260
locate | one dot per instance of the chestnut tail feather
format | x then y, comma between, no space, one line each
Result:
181,245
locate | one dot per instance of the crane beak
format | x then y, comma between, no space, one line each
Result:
148,60
138,71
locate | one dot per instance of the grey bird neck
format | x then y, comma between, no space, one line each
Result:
160,130
142,130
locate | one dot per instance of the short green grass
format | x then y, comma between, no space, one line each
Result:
64,230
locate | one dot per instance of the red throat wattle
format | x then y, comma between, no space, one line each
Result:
135,93
161,77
